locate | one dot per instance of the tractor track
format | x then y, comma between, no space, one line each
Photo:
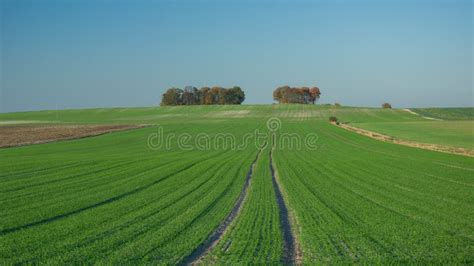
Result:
292,254
207,246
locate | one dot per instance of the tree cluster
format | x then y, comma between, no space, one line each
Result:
204,96
286,94
386,106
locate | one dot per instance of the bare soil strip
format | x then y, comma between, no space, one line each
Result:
21,135
207,246
426,146
291,248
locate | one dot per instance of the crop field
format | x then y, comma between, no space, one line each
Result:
198,186
453,133
445,126
446,113
246,242
357,199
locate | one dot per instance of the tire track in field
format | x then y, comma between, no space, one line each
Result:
95,205
207,246
212,204
292,254
107,250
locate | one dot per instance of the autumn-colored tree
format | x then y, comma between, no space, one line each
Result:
206,96
277,95
215,94
315,93
222,96
281,94
303,95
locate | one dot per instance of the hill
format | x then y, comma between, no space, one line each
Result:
302,190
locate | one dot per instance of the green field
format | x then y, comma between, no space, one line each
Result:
451,133
455,127
115,199
213,113
447,113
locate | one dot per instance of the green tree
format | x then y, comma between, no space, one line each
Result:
235,95
173,96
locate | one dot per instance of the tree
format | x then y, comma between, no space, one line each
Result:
206,96
386,106
222,95
303,95
235,95
315,94
279,94
192,96
172,96
189,96
215,95
285,94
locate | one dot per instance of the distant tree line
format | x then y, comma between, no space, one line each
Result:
305,95
203,96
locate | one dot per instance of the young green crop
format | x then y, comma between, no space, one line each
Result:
466,113
361,200
255,236
112,199
450,133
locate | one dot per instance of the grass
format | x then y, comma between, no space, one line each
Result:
447,113
112,199
451,133
360,200
208,114
455,127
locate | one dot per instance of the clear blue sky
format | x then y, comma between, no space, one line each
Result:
104,53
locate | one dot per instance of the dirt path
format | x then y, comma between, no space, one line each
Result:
425,117
207,246
291,248
426,146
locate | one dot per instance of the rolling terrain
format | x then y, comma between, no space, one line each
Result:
445,126
123,197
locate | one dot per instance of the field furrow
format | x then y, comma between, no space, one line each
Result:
354,206
291,250
121,199
206,247
255,236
